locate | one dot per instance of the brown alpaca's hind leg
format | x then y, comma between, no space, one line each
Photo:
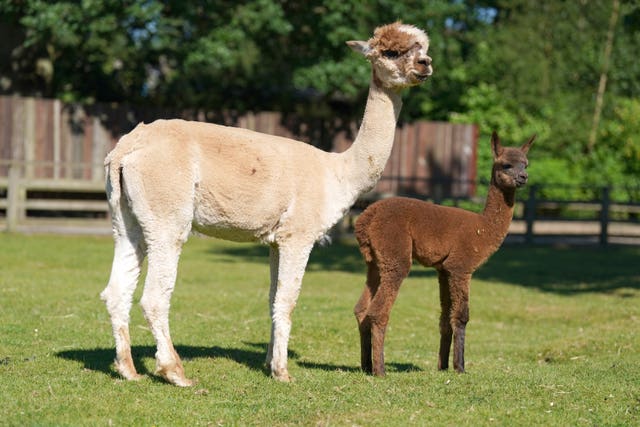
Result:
446,331
378,314
360,310
459,316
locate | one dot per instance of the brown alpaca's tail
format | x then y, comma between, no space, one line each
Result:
362,234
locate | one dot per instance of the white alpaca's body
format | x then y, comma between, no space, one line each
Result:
173,176
232,183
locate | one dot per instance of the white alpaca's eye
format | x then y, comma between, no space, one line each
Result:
391,54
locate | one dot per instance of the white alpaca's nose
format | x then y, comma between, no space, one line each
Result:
425,63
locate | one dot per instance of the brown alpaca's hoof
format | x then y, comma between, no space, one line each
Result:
367,368
379,373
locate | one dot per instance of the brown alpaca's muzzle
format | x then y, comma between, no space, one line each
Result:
521,179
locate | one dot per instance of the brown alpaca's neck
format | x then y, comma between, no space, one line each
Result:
498,211
368,155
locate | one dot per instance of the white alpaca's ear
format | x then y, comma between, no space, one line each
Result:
359,46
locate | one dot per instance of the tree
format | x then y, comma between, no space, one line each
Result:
537,69
212,54
521,67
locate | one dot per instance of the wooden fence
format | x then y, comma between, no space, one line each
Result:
52,179
51,155
75,206
558,213
52,140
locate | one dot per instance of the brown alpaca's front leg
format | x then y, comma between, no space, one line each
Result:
446,331
459,317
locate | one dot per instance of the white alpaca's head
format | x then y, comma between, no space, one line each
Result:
398,55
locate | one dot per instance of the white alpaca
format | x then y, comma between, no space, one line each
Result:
169,177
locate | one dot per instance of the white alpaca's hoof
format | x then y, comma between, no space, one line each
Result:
127,370
282,376
183,382
174,373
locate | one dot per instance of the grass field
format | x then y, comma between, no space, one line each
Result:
553,340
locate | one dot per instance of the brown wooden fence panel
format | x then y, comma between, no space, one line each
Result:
432,159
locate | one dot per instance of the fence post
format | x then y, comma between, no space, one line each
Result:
604,216
15,197
530,213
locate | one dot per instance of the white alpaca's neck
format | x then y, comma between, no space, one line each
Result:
368,155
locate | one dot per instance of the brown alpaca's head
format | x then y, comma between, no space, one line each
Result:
509,164
398,55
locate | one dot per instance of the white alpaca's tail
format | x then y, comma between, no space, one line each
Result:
113,188
114,184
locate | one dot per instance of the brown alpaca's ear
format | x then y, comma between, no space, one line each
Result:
527,145
496,147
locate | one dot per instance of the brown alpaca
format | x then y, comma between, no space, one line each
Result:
455,242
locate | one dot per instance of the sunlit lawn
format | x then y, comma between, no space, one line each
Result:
553,340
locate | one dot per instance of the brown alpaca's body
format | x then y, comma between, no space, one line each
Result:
394,232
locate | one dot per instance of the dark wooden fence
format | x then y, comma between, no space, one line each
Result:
554,213
603,214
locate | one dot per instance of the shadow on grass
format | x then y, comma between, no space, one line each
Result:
389,366
564,270
101,359
339,255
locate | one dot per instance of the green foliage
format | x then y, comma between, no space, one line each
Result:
520,67
622,134
552,340
536,70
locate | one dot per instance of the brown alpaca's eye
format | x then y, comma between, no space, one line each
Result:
391,54
506,166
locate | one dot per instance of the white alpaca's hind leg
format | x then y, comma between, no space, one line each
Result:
274,259
159,284
118,295
291,266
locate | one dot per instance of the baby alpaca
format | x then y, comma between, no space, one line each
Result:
455,242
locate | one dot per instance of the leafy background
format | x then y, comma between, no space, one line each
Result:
521,66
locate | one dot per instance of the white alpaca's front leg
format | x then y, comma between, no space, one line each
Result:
291,266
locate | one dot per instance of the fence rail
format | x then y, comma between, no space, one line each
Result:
600,219
79,206
63,205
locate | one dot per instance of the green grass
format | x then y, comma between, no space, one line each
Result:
553,340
